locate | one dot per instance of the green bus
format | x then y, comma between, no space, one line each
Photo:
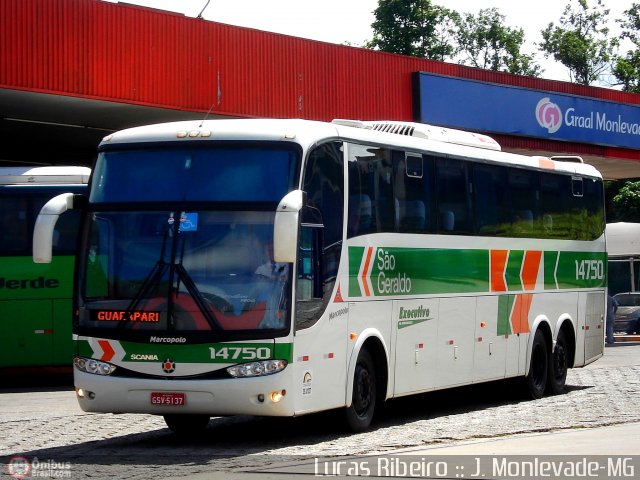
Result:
35,299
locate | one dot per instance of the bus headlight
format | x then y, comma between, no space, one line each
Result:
91,365
257,369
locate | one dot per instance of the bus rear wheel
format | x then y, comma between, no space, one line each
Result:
559,363
536,380
363,400
186,423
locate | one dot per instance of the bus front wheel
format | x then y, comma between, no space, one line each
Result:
186,423
363,400
536,380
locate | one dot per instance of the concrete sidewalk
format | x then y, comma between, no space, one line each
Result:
592,443
610,440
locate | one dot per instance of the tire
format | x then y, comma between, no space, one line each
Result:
363,399
186,423
558,365
536,380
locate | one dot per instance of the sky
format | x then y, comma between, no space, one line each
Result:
349,21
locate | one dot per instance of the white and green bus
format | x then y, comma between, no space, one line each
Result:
284,267
35,300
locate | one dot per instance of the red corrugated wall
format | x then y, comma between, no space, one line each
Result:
122,53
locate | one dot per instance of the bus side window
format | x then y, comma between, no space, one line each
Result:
454,199
320,243
309,286
412,192
14,236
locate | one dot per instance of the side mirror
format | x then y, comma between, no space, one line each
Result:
46,223
285,227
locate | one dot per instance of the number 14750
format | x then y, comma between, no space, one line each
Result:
589,269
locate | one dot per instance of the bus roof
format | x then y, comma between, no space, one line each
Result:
402,135
53,175
623,239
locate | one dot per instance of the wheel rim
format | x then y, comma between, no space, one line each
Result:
363,391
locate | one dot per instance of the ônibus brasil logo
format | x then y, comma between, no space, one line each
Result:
549,115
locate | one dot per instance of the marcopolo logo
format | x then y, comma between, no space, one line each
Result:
549,115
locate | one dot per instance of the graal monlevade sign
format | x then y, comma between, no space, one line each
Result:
489,107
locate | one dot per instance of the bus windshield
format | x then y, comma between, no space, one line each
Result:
258,172
197,254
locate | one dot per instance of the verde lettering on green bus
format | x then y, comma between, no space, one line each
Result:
22,279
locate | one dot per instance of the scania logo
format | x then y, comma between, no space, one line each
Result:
168,366
549,115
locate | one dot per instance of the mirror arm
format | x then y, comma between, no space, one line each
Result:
46,223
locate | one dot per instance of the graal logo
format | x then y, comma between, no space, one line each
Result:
549,115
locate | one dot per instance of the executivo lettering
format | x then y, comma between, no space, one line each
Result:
412,316
411,313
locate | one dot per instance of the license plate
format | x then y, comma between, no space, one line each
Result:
171,399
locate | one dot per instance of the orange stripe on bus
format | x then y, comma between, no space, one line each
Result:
365,285
530,268
520,313
498,262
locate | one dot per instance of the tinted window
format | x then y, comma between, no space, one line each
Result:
492,213
19,208
323,183
259,173
389,191
395,191
412,193
370,190
453,197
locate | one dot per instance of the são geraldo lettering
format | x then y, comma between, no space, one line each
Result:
389,281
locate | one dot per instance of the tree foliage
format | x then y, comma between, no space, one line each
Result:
627,202
484,41
627,67
581,41
413,27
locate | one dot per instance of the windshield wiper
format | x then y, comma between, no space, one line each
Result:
176,269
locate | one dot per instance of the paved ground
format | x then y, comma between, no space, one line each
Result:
47,424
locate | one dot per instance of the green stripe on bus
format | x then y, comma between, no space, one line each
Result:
355,259
550,260
581,269
415,271
411,271
505,304
514,267
236,352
